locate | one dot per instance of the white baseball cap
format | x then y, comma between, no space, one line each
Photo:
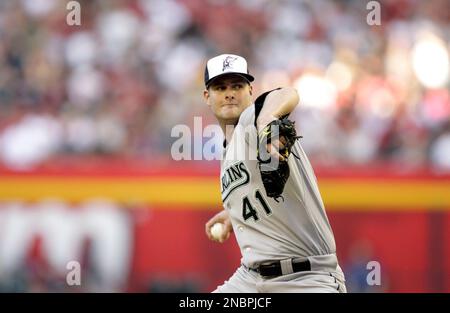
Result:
226,64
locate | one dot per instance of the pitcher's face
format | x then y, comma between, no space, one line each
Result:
228,96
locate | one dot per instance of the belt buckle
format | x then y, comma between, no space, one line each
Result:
275,265
268,264
255,269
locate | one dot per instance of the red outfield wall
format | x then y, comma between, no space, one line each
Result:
411,247
400,219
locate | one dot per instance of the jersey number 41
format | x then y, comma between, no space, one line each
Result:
248,210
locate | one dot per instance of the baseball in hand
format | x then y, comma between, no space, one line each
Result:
217,230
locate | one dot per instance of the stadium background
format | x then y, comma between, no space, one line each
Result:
86,115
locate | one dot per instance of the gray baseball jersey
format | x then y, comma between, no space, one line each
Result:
295,227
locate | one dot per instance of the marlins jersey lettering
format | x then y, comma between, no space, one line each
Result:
264,228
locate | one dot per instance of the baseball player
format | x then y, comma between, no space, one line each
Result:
276,212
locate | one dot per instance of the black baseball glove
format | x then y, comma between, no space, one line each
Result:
275,173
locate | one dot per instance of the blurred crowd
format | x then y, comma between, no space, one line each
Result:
118,83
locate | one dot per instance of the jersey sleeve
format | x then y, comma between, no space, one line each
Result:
250,115
259,103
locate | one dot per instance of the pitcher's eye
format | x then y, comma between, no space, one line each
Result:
220,87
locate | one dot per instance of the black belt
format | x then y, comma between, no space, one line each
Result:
274,268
